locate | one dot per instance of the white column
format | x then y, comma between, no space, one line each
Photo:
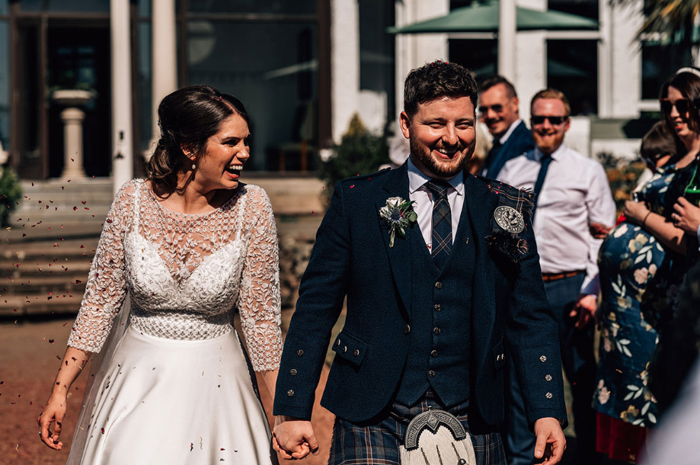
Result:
531,68
164,51
73,143
415,50
506,39
605,60
122,137
345,64
626,61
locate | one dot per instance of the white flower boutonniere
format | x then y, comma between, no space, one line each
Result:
397,214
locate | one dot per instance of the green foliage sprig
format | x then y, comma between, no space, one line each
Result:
10,193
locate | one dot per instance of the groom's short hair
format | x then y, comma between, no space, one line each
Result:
435,80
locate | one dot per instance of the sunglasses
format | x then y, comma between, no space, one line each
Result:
553,120
498,108
682,105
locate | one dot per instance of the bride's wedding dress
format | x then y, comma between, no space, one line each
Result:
176,388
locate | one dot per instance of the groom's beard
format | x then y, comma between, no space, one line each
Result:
442,168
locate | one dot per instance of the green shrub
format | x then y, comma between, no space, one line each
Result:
359,152
10,193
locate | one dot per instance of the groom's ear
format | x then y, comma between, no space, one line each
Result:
405,122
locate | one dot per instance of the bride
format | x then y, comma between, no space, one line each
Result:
188,245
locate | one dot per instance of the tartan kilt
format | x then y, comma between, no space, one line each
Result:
378,444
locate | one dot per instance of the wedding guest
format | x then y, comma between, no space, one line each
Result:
188,245
629,257
675,441
499,111
572,193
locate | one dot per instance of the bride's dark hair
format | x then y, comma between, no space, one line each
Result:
187,119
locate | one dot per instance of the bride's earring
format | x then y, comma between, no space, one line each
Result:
193,166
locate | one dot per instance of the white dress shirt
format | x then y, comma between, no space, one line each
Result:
575,193
423,198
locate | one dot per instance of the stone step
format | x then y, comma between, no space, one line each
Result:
35,304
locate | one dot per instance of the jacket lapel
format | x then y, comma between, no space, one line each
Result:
481,203
399,255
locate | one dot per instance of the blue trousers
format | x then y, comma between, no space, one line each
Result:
580,369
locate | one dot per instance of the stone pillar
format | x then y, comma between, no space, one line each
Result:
73,143
345,64
164,52
506,39
122,124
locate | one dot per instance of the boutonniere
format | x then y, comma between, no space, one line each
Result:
397,214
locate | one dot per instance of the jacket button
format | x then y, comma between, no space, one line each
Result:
356,352
431,373
543,359
293,372
548,395
300,352
438,307
436,330
433,353
498,357
407,329
337,343
438,285
548,377
345,349
290,393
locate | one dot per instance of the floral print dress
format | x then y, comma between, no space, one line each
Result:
630,259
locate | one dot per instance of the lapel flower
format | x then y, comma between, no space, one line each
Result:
397,214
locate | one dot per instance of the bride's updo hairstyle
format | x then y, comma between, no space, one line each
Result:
188,118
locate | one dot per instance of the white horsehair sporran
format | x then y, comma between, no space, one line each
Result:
436,437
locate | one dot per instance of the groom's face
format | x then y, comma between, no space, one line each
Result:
442,135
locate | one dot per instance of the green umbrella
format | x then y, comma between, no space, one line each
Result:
484,18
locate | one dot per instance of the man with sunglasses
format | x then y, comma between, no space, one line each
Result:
572,194
498,109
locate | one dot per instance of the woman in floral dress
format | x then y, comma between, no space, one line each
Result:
634,254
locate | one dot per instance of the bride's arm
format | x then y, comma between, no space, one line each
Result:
72,364
259,295
104,293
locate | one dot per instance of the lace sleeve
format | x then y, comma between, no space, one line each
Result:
259,298
106,285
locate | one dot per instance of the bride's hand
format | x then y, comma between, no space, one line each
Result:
54,411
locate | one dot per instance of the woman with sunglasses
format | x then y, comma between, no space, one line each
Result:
631,258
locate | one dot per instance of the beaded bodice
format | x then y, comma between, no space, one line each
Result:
185,274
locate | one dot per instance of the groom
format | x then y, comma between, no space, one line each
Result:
433,298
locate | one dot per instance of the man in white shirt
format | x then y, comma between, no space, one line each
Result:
499,111
572,195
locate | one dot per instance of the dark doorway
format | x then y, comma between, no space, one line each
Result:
79,58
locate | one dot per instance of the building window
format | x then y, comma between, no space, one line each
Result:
377,51
480,56
586,8
660,60
572,67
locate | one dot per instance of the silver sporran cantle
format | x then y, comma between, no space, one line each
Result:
436,437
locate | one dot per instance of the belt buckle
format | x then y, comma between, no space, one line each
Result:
436,437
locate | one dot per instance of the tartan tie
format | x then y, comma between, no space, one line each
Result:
442,223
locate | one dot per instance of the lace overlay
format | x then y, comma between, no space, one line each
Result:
186,273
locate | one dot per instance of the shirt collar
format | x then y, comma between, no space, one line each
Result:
504,138
417,179
556,155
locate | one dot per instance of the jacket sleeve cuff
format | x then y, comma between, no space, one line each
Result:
301,413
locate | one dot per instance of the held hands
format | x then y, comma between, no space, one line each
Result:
635,212
294,438
598,230
550,443
686,216
585,308
54,411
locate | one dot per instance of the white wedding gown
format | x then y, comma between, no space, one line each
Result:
176,388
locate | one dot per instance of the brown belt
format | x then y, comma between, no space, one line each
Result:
547,277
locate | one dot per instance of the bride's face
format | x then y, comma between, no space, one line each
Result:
225,154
